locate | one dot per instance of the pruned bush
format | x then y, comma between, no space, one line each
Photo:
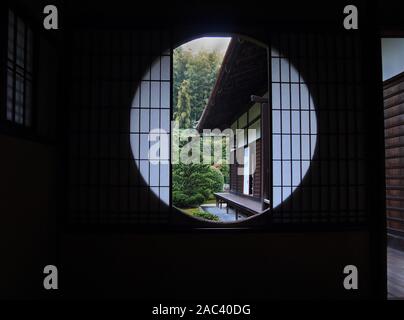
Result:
206,215
182,200
216,180
194,183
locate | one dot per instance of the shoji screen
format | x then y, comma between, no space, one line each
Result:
120,82
120,90
318,133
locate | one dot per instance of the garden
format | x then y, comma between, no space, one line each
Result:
194,75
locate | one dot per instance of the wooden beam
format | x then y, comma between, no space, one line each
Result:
259,99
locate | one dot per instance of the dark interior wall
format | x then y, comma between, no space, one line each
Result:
29,208
235,266
31,177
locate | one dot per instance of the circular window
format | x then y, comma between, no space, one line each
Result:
213,134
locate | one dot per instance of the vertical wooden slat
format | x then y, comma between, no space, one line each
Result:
394,155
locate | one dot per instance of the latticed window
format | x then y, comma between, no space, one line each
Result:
19,71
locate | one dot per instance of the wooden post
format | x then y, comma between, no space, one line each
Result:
265,154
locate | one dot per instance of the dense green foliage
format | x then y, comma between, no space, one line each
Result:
222,164
194,183
194,75
201,70
182,113
198,212
206,215
225,170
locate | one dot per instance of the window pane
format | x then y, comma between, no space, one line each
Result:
154,173
164,174
286,173
296,122
276,120
155,70
286,146
165,120
145,94
275,70
165,68
28,103
19,71
134,121
19,99
165,194
20,54
286,122
10,91
276,96
144,120
135,145
296,177
284,70
276,146
155,94
165,94
11,35
285,98
144,146
29,51
155,119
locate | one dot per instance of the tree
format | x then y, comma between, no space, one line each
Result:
223,162
181,59
201,70
183,112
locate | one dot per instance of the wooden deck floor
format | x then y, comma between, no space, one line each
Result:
395,273
241,201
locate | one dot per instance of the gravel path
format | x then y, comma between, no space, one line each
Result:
221,213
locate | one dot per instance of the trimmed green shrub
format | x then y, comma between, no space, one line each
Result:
206,215
216,180
182,200
194,183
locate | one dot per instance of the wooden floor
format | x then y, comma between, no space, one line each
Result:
395,273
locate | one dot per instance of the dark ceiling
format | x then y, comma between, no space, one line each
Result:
387,14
